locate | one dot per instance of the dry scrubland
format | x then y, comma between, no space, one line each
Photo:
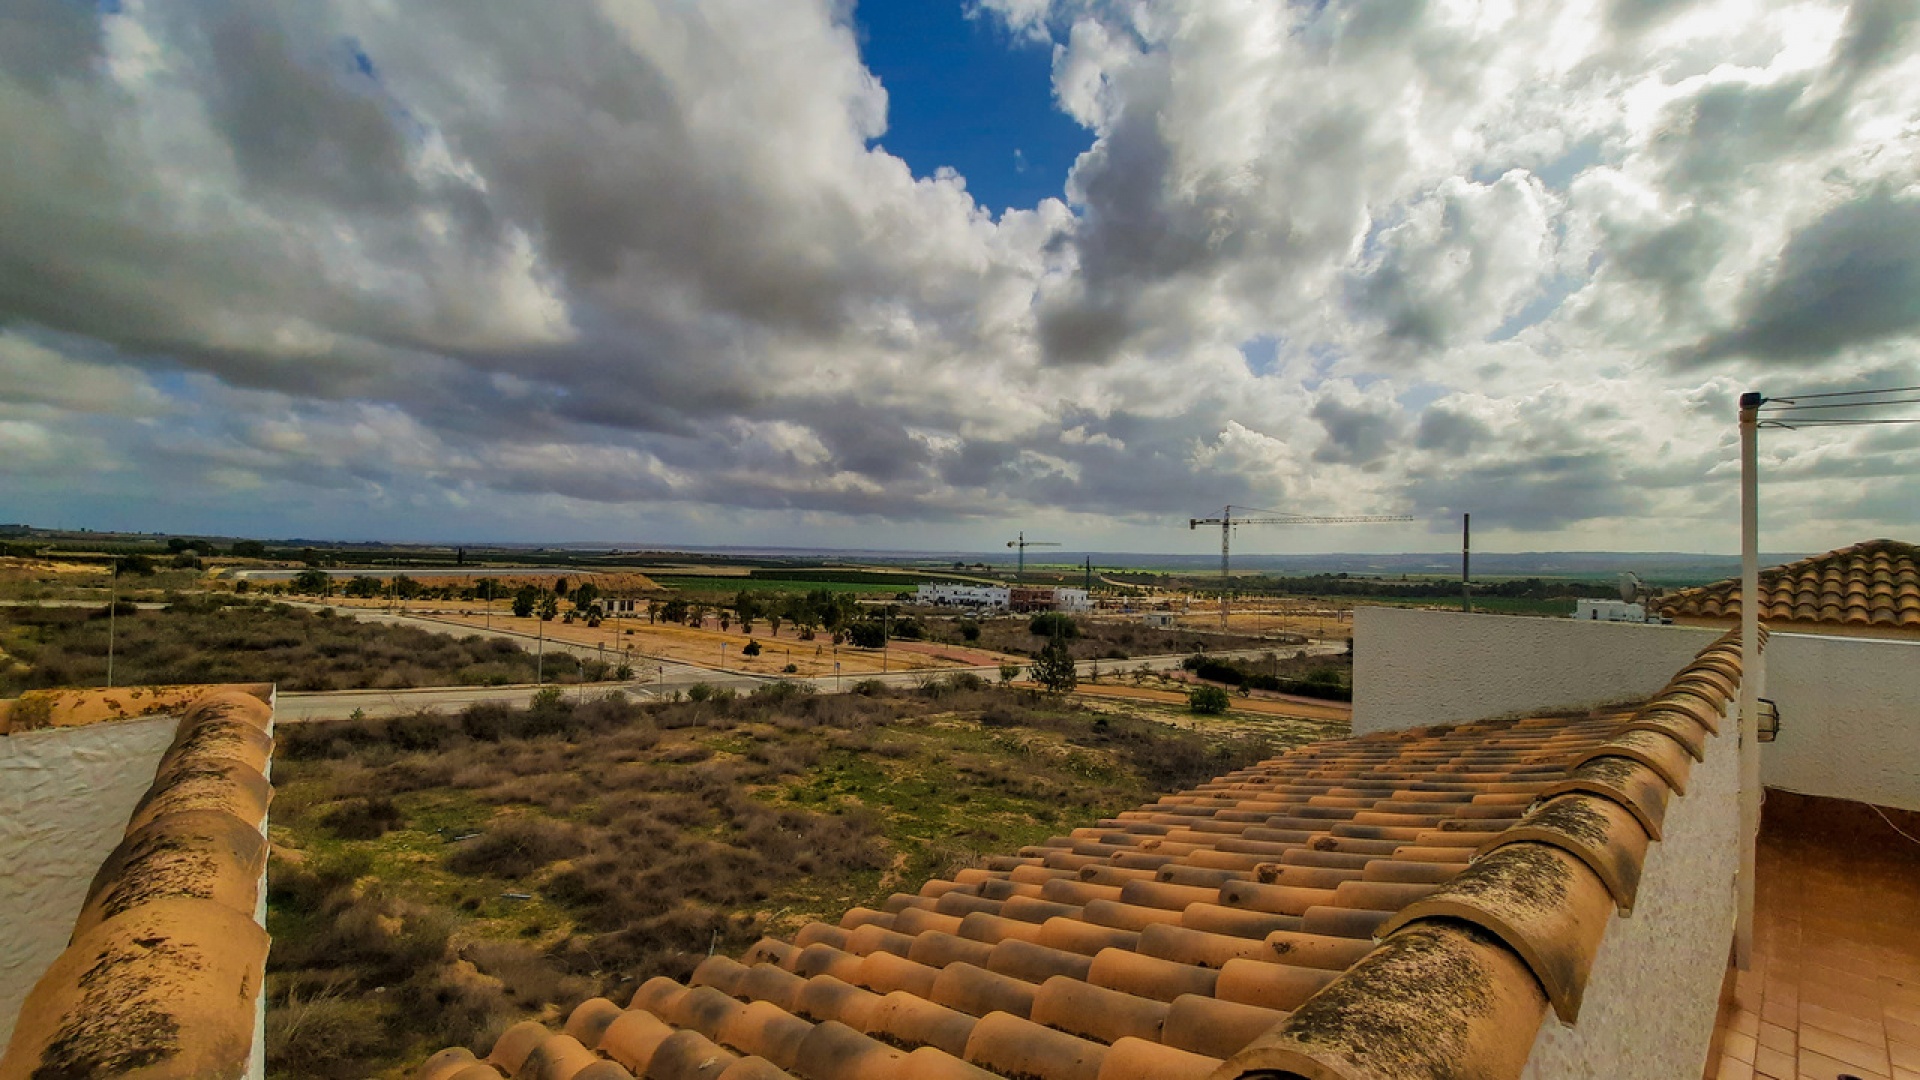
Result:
436,877
221,639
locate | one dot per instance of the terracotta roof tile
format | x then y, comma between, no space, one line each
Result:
165,969
1315,913
1873,584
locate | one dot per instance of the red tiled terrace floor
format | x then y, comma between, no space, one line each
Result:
1835,989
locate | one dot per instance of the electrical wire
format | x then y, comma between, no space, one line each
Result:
1795,425
1889,821
1843,405
1790,398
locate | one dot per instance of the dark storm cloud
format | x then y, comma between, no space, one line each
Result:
1540,494
1357,433
1449,432
1851,277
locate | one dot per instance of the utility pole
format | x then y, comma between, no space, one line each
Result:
113,604
1089,581
1466,562
540,657
1751,672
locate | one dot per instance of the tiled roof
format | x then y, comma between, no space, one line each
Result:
1875,584
1404,904
163,975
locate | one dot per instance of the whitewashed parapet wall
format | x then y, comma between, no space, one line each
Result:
1414,667
65,796
1849,706
1849,718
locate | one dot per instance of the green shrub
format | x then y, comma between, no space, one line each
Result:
1051,624
1208,700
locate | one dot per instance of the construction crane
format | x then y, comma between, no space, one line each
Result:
1023,544
1227,520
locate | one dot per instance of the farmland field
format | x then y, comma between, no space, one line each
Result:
727,587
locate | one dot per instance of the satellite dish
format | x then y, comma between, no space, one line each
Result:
1631,587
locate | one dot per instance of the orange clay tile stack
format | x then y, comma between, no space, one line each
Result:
1874,585
163,975
1372,908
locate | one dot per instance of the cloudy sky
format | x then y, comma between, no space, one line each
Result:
918,273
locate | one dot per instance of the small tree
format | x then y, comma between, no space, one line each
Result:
1208,700
585,595
524,601
249,549
549,607
560,587
773,623
751,648
311,583
1054,668
1009,671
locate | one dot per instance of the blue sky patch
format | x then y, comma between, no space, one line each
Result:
962,93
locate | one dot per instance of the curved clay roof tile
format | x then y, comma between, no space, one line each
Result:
1625,781
195,855
162,991
1540,899
1397,1014
1604,834
190,783
910,1020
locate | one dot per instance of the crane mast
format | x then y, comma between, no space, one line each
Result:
1227,521
1023,544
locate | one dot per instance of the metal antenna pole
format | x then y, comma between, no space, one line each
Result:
1751,672
113,603
1466,562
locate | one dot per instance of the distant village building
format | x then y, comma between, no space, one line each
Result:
1611,611
1047,598
954,594
621,606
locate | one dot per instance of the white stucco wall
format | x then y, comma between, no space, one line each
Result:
1849,718
1414,667
1849,706
65,797
1654,993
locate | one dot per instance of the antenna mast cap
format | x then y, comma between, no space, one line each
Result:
1751,400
